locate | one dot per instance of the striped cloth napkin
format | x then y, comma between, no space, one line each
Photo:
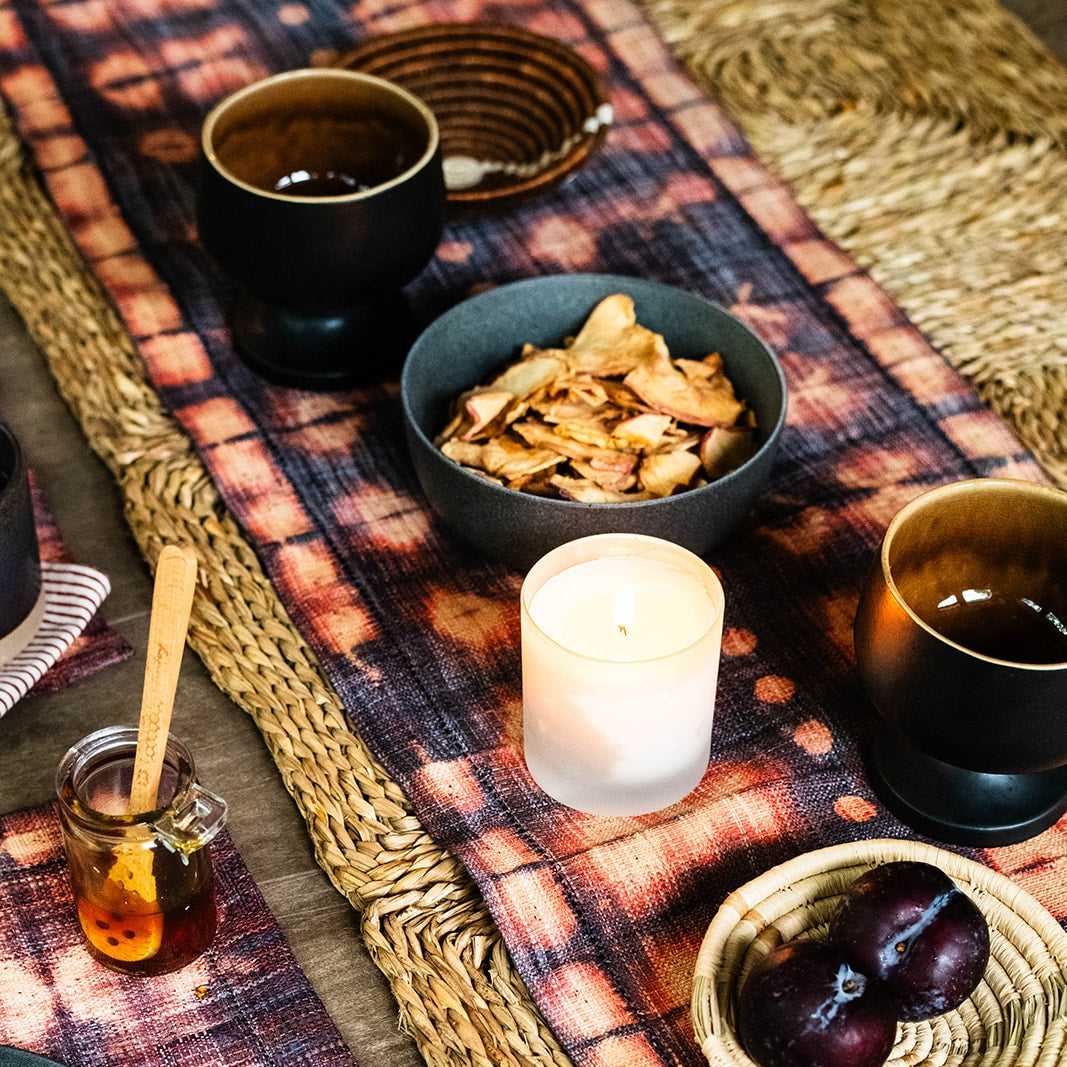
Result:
72,596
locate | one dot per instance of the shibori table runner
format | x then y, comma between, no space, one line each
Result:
602,916
244,1003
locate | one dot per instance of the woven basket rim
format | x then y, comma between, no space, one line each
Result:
785,891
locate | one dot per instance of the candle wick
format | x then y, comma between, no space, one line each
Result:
622,630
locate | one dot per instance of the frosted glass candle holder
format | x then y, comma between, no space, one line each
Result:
620,659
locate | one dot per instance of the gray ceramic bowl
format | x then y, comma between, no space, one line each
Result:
479,337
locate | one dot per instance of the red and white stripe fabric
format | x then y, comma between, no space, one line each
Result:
72,596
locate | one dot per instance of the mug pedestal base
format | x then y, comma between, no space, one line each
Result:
959,806
358,346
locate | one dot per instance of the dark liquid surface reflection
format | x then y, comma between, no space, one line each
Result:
310,183
319,154
1019,630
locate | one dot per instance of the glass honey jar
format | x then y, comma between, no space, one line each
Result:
143,883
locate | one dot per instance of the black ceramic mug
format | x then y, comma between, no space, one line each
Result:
321,195
21,597
961,642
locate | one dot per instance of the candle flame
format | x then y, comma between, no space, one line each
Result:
623,611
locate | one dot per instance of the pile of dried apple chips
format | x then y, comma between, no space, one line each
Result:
609,417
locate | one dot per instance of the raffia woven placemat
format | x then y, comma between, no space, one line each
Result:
944,178
930,141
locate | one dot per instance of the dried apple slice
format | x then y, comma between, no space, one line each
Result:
613,316
538,435
614,481
664,472
701,369
623,397
527,376
610,343
502,457
724,449
587,492
670,392
583,389
558,409
643,431
589,431
482,409
610,459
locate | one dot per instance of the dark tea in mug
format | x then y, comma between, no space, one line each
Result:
319,153
1016,629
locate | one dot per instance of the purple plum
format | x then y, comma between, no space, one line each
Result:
802,1005
908,926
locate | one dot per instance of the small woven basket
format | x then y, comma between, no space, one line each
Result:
1017,1016
519,112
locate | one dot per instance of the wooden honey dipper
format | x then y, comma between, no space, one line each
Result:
172,601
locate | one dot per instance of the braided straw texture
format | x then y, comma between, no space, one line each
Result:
1016,1016
930,141
1001,156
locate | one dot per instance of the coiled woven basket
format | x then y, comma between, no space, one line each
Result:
519,112
1017,1016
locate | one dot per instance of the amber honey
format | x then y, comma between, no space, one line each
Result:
152,941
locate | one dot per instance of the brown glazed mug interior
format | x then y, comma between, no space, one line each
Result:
319,134
21,595
984,565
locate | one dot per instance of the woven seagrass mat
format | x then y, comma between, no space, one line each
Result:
930,141
943,177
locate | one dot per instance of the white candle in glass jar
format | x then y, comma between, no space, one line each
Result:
620,659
